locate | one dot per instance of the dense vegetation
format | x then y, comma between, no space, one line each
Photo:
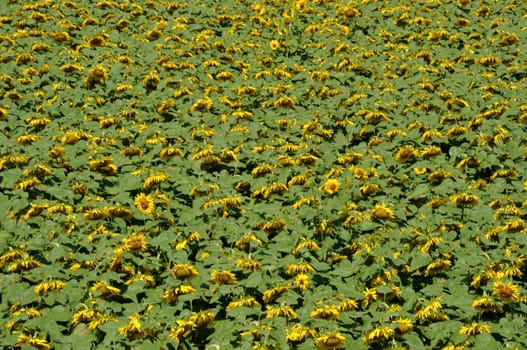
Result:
263,175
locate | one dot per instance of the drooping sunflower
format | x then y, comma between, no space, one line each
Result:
383,212
330,341
184,271
474,329
298,334
135,242
378,335
223,277
145,203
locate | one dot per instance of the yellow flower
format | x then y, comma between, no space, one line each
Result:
330,341
437,266
154,180
44,287
378,335
369,189
274,45
23,264
327,313
486,304
183,329
302,281
149,280
100,320
404,325
331,186
201,105
223,277
247,302
84,315
475,329
306,244
280,311
136,241
271,294
464,200
382,212
115,212
506,291
406,154
39,343
96,75
133,328
184,271
3,113
172,294
348,304
420,171
299,268
298,334
151,80
105,290
248,264
439,175
145,203
513,226
202,319
371,295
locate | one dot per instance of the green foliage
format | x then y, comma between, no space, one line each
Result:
269,175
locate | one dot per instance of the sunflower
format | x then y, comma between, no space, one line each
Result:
404,325
381,211
474,329
223,277
331,186
274,45
330,341
464,199
184,271
133,328
302,281
39,343
46,286
298,334
406,154
330,312
506,291
486,304
135,242
378,335
145,203
280,311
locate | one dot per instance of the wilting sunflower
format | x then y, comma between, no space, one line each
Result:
475,329
330,341
381,211
184,271
145,203
39,343
223,277
298,334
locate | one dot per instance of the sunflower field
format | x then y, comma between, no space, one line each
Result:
271,174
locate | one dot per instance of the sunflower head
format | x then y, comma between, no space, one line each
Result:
331,186
145,203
